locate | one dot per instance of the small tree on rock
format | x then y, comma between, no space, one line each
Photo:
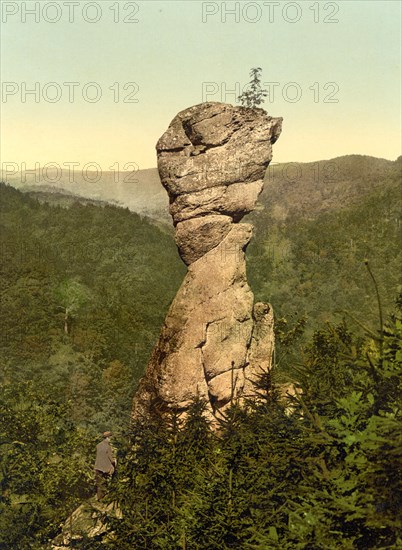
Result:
254,95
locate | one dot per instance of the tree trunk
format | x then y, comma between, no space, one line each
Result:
66,322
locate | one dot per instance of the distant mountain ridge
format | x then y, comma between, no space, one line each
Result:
140,191
309,189
291,189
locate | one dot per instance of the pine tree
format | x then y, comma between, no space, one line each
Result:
254,96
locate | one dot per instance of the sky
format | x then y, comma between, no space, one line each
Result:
107,77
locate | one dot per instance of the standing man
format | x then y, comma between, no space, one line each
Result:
105,465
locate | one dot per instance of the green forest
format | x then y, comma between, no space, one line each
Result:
85,289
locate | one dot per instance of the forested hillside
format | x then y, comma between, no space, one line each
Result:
85,288
319,472
84,293
307,257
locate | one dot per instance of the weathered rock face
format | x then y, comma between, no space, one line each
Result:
211,160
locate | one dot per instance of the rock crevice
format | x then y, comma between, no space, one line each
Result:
215,341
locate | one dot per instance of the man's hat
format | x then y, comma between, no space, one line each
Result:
107,434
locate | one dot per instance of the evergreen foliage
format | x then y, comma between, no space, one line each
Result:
313,270
254,95
322,475
44,468
84,293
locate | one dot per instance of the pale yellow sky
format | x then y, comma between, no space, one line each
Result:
336,65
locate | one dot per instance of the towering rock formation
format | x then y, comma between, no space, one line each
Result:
215,340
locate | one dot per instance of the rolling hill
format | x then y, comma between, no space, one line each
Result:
291,189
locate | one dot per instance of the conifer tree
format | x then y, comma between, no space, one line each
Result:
254,95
